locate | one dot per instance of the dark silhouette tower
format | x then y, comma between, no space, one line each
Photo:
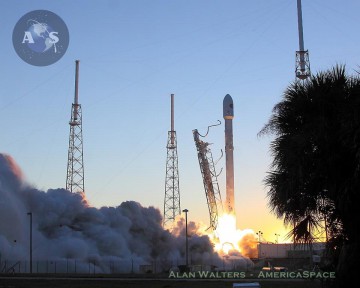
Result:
172,191
302,62
75,165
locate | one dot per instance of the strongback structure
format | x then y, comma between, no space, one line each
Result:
211,186
228,114
75,165
302,62
172,190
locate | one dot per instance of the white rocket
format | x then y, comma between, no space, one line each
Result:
228,114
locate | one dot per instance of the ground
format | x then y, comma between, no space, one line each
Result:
56,281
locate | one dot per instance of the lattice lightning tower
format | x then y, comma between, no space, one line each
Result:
302,62
172,191
75,165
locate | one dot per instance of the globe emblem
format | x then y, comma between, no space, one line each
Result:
43,37
40,38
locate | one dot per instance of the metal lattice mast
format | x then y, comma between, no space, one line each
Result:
211,186
75,165
302,62
172,191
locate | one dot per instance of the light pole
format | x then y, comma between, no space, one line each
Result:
30,214
277,244
186,239
259,235
277,238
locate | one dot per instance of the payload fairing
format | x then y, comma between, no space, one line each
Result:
228,114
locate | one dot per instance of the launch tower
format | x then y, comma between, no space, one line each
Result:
302,62
211,185
172,191
75,165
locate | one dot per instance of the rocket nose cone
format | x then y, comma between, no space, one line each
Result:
228,107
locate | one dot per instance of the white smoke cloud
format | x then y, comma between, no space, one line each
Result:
66,227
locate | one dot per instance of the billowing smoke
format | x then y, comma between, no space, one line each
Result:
248,244
67,228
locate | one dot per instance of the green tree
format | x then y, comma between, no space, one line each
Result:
314,177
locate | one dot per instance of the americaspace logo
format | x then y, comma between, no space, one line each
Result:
40,38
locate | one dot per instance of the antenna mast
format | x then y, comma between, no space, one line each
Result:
172,191
75,165
302,62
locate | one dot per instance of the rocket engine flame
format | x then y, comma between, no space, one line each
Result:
227,234
229,240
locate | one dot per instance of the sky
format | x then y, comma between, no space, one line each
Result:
133,55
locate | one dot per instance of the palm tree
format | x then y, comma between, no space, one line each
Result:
314,176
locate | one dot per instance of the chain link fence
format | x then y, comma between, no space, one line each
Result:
75,266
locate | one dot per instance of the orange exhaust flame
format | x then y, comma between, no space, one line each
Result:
229,240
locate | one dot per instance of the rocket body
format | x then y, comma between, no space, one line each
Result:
228,114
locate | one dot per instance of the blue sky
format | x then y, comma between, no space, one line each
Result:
133,55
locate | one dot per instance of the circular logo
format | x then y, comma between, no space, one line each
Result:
40,38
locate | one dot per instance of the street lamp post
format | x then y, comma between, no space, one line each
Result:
277,244
186,239
277,238
259,235
30,214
